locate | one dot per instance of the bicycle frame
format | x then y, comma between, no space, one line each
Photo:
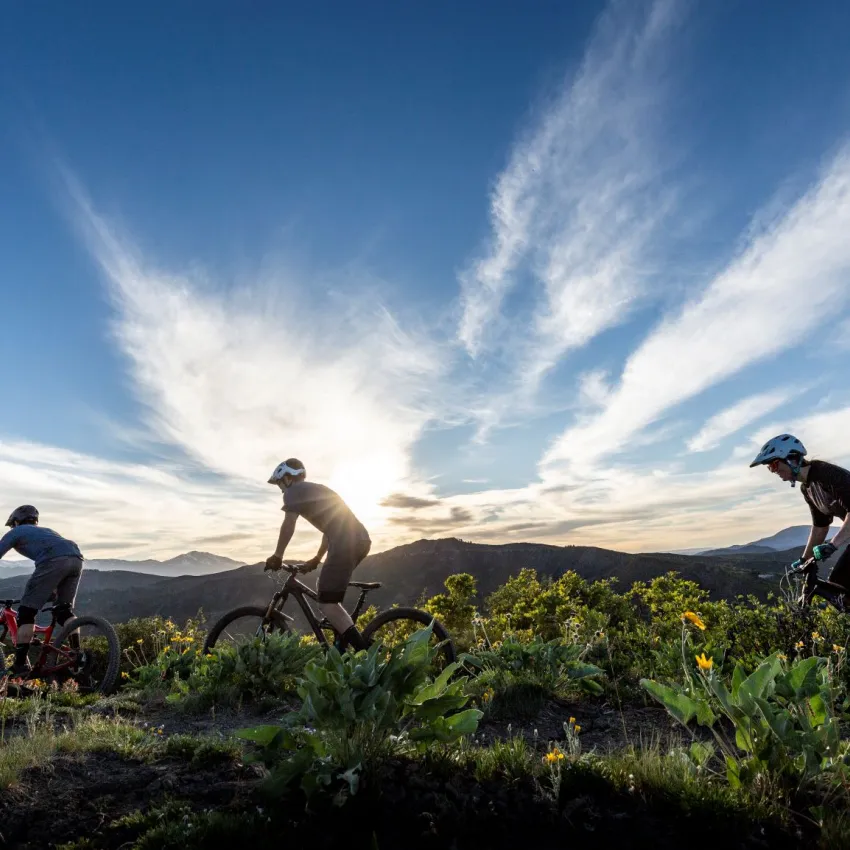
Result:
815,586
9,622
302,592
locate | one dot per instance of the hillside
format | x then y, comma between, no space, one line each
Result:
410,571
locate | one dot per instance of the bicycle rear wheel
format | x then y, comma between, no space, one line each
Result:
397,624
86,650
242,625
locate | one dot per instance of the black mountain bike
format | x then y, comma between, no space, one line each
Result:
388,627
811,586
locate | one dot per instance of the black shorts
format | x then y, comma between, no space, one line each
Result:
59,574
343,558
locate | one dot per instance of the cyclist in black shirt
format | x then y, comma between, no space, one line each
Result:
343,537
826,489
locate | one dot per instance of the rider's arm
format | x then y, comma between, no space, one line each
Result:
287,529
323,547
816,536
842,536
8,541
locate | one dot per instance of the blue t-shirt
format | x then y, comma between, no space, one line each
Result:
38,544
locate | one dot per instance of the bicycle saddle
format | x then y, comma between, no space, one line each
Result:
365,585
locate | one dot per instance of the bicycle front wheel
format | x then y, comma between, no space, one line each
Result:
86,650
242,625
397,624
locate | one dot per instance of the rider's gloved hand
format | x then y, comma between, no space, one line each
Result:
797,564
824,551
309,566
273,562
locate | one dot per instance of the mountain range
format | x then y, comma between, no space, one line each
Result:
188,564
408,572
793,537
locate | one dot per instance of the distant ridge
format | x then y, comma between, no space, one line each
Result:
408,572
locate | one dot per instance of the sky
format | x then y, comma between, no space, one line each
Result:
544,272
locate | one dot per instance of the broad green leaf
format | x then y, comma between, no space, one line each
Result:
262,735
680,706
803,677
759,681
701,752
464,722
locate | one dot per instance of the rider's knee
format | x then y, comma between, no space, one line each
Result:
26,615
63,612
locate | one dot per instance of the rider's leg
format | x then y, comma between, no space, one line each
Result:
331,587
26,627
66,593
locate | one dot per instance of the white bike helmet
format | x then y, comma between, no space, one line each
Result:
780,448
291,466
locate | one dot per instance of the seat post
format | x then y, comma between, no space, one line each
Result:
359,606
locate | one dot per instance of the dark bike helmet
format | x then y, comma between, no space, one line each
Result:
23,514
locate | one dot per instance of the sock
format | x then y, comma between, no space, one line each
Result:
351,637
21,652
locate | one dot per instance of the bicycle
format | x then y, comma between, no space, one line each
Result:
75,652
834,594
250,621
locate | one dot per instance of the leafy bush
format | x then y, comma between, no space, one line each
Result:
263,668
357,709
782,714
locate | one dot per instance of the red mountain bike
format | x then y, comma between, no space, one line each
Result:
86,650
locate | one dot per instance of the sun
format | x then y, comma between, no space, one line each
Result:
365,486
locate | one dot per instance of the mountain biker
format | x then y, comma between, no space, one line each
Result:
58,566
344,539
826,489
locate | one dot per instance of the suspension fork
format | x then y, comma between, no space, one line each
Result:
273,604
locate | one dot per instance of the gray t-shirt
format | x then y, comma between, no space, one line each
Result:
324,509
38,543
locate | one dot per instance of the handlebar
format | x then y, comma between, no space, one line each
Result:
805,566
291,567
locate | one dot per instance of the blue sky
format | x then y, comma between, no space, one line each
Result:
547,272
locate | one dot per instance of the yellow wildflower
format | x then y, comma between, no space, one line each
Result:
798,645
781,657
139,641
816,636
704,663
577,728
837,648
572,721
550,758
125,675
695,619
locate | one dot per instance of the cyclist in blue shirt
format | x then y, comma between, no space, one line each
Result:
58,566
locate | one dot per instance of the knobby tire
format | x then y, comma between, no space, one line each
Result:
106,628
278,622
421,618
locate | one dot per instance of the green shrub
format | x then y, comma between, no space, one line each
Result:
358,708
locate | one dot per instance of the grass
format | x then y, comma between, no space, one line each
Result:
94,734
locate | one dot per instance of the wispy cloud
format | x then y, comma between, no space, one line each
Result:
768,300
579,201
240,379
734,418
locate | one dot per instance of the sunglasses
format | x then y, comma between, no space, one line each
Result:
774,465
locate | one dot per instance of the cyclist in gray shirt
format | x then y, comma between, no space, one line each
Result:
58,566
344,539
